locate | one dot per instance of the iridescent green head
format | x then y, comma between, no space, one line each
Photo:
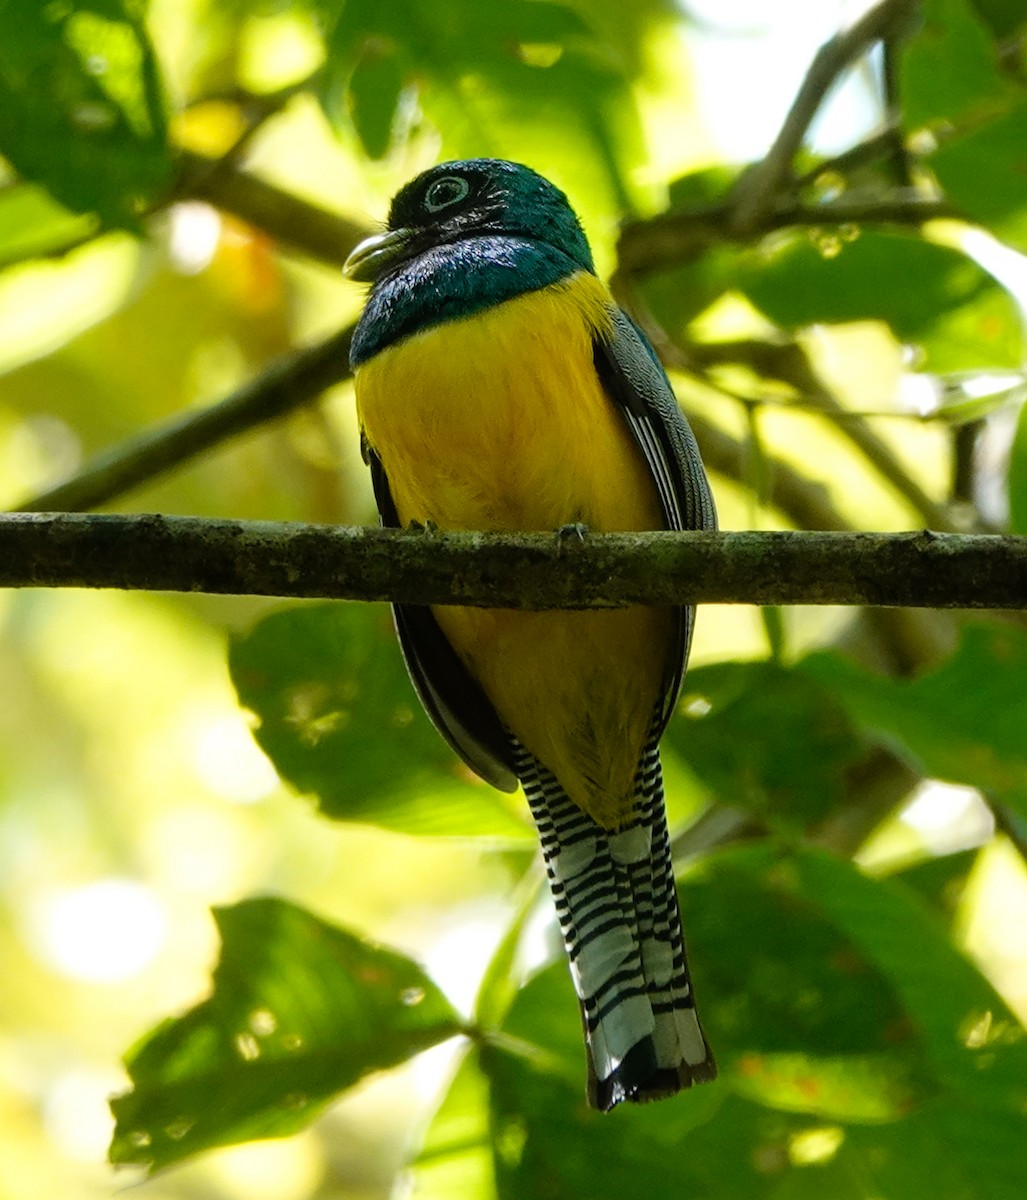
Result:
463,237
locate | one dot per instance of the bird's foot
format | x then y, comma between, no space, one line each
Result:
573,532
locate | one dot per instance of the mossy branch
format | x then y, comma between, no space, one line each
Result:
532,571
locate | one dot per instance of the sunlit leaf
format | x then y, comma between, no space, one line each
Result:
99,141
766,737
963,722
949,68
925,292
300,1011
854,1088
455,1158
32,224
339,719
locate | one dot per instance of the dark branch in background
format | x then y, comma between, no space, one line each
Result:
298,379
874,449
785,361
758,190
804,503
532,571
883,145
298,224
682,236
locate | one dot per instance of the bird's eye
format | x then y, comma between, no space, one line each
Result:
450,189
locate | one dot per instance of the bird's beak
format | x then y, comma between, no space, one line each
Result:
376,254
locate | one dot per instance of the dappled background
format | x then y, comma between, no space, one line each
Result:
847,791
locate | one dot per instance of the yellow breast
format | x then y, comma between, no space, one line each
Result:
499,422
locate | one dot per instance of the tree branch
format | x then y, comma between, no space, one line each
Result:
758,190
675,237
530,571
294,380
325,236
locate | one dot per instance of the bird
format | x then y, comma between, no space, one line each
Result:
499,387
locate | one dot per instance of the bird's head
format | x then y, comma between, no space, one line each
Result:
472,198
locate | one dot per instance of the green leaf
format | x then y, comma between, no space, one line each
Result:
455,1159
339,719
375,87
546,1142
984,174
798,1016
677,296
940,881
1004,17
952,81
32,224
99,142
949,70
500,79
799,742
500,982
963,722
985,332
975,1047
889,1089
917,287
709,1142
300,1011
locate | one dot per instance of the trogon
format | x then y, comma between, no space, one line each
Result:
499,387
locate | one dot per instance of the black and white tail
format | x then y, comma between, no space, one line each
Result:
618,908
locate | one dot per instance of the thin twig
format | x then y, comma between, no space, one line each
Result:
758,191
786,361
879,146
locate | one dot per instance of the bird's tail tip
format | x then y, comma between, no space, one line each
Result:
639,1079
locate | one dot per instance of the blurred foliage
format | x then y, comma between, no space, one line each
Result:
293,1000
342,736
857,940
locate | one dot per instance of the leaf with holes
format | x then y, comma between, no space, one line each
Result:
99,142
799,742
339,718
956,313
300,1011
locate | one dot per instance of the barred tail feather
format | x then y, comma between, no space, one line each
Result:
618,909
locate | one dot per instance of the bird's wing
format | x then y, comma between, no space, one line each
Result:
454,701
637,383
